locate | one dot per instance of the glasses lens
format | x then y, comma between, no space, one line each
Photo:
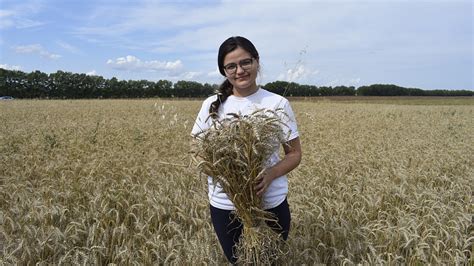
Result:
230,68
246,63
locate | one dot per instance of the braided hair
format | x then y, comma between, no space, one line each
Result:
225,89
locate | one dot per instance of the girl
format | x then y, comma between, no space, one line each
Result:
238,62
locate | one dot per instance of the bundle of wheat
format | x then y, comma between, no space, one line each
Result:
235,152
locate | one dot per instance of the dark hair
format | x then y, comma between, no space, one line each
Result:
225,89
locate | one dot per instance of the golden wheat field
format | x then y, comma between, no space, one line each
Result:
111,181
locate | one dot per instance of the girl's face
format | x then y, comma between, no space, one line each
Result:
241,71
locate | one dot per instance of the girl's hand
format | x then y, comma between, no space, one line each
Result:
289,162
263,182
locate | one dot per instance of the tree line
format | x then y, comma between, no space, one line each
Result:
67,85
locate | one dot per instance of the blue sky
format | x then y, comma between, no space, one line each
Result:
411,43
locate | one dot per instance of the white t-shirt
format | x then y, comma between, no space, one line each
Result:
261,99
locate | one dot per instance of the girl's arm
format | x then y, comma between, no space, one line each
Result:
291,160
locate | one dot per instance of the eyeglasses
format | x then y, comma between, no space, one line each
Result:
245,64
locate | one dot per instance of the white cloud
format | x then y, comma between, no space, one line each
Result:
339,80
68,47
214,73
132,63
191,75
354,81
27,23
35,49
92,73
298,74
9,67
6,13
18,15
5,19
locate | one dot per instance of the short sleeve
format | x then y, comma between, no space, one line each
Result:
203,122
291,128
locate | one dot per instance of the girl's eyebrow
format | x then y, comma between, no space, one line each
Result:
238,61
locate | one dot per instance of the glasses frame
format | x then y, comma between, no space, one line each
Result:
236,65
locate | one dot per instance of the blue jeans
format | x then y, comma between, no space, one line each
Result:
228,229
